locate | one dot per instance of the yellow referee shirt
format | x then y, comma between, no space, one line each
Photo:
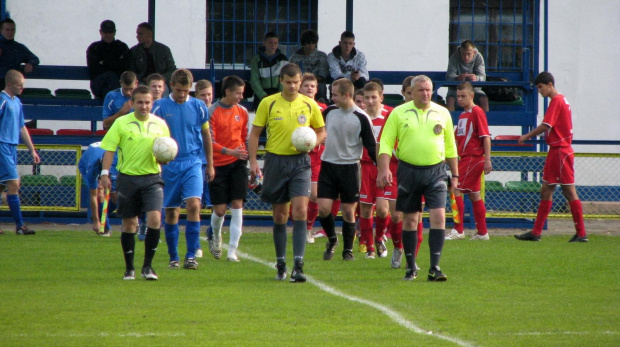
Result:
282,118
134,140
424,137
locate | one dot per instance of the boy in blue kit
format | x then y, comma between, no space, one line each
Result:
188,120
12,128
90,168
118,102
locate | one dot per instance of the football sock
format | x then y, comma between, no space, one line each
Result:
192,235
150,245
313,212
409,242
577,212
336,207
480,215
380,225
279,240
328,225
420,236
299,239
366,229
172,240
461,206
236,222
436,239
216,223
348,235
396,230
128,243
16,210
544,208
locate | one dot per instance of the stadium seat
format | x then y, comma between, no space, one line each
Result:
70,132
493,186
67,180
40,131
393,99
36,93
39,180
101,132
510,137
523,186
72,93
518,102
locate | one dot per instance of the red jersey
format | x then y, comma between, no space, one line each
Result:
559,119
315,153
393,158
229,128
470,132
377,125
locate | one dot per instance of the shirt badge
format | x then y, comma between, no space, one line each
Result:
302,119
437,129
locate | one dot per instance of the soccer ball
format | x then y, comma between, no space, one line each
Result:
304,139
165,149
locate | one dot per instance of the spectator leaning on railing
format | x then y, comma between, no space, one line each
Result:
13,53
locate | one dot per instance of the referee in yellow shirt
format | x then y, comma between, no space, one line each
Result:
425,136
287,171
139,185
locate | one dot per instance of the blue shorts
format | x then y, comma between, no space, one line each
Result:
8,162
182,180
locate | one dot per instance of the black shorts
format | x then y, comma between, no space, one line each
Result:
230,183
343,180
137,194
285,177
417,181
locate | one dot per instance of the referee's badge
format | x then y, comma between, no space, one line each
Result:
437,129
302,119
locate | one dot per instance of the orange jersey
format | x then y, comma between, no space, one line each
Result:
229,128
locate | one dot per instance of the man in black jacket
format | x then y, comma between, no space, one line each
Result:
105,60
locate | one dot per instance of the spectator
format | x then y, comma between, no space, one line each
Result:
150,56
266,66
118,102
13,53
105,60
157,84
12,129
310,59
347,62
466,64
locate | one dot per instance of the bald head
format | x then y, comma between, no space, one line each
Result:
14,81
13,76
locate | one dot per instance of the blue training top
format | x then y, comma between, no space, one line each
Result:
113,102
90,164
11,118
185,122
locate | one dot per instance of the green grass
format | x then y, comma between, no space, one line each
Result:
65,289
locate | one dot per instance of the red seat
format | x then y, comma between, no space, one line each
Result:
101,132
510,137
40,131
73,132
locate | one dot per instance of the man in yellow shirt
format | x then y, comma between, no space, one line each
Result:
425,136
287,171
139,185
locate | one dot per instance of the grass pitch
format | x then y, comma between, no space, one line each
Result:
64,288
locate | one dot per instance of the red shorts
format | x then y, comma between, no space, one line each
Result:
470,171
391,192
315,163
559,167
368,190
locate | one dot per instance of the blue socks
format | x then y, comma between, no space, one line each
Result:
16,210
172,240
192,236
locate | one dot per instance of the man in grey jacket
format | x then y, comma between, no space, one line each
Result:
150,56
347,62
466,64
310,59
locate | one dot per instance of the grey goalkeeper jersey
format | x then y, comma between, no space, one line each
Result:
348,132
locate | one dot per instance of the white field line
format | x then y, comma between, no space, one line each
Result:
393,315
553,333
103,334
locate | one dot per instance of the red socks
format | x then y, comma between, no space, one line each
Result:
420,236
366,229
380,225
336,208
313,212
480,213
544,208
396,230
577,212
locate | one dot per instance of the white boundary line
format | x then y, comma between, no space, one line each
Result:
393,315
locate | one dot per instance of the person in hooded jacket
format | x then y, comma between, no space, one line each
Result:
347,62
266,66
310,59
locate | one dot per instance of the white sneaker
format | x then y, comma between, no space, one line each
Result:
397,257
309,237
455,235
232,255
484,237
198,253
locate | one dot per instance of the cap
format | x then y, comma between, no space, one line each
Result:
107,26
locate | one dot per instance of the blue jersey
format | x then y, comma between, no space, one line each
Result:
113,102
185,122
11,118
90,164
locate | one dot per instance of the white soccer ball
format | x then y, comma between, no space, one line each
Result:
304,139
165,149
